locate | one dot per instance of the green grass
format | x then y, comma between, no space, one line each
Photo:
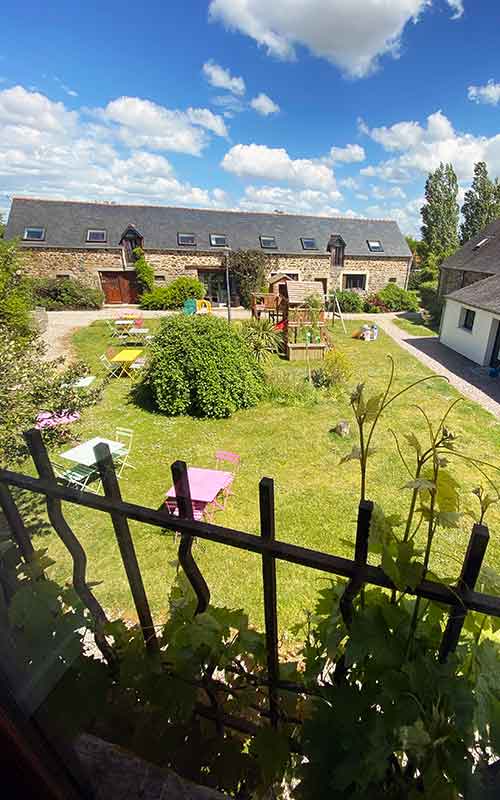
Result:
417,326
316,498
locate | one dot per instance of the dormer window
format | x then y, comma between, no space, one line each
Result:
218,240
375,246
308,244
268,242
96,235
186,239
34,234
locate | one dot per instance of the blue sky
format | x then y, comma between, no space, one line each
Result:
323,106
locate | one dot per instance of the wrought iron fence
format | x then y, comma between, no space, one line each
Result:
460,598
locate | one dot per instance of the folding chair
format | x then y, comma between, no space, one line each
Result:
77,476
125,436
113,370
139,363
114,332
222,459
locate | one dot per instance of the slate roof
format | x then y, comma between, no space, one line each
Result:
66,224
484,259
483,294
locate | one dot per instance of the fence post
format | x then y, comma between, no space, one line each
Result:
43,466
476,549
267,531
360,557
186,560
16,523
111,488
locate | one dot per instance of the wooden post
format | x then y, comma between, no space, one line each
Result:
111,488
187,562
471,568
267,531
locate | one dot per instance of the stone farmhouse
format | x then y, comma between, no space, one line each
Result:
94,243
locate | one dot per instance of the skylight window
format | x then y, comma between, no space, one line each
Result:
482,243
218,240
268,242
308,244
374,246
96,235
34,234
186,239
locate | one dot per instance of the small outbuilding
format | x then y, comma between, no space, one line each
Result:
470,323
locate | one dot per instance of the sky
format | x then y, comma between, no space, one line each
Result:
331,107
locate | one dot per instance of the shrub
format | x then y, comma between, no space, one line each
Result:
350,302
374,305
56,294
174,295
201,366
144,271
249,269
431,301
398,299
261,337
15,295
334,372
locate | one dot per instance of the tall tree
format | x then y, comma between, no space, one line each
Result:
481,203
2,226
441,211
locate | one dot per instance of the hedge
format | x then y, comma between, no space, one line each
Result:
173,295
56,294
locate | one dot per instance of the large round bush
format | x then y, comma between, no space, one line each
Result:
173,295
201,366
350,302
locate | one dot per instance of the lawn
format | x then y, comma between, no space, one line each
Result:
416,326
316,498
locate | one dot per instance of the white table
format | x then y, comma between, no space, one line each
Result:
84,453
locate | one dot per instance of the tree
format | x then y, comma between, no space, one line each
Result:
15,296
249,269
481,203
2,227
440,213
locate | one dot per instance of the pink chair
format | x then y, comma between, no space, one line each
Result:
139,322
223,458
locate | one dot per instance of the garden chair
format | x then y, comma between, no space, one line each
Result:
201,512
77,476
125,436
113,370
114,333
139,363
230,462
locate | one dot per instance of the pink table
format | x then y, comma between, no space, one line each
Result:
205,484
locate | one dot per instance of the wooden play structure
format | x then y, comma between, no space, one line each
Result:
289,305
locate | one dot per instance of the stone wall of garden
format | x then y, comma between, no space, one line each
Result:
83,265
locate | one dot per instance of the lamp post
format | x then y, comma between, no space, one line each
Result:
228,290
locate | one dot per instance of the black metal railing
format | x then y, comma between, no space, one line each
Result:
460,598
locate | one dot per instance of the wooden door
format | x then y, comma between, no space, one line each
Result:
119,287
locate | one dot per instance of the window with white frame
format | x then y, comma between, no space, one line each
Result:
96,235
268,242
218,240
186,239
34,234
467,318
375,246
354,280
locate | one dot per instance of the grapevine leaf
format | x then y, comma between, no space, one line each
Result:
415,739
421,484
372,407
414,443
272,750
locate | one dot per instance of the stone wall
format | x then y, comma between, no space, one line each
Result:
453,279
84,265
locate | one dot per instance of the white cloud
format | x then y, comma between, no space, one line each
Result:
222,79
352,34
306,201
230,104
391,192
65,88
349,154
488,94
349,183
264,105
274,163
457,6
143,123
48,151
423,148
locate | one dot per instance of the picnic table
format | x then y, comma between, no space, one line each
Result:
125,359
204,485
84,455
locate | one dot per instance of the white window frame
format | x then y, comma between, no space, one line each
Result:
97,230
214,236
463,313
308,239
186,244
268,246
346,272
27,238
